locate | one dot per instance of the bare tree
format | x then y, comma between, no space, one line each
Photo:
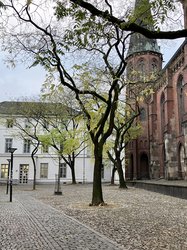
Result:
28,125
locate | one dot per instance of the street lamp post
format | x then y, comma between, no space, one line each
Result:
11,150
7,184
58,188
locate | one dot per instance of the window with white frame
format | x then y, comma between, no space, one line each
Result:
26,146
4,170
8,144
63,170
43,170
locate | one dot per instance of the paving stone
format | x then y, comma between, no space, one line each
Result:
135,219
27,223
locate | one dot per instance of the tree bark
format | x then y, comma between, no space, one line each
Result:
97,194
73,172
122,182
113,175
70,161
34,177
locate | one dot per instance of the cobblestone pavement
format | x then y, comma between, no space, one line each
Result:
27,223
135,219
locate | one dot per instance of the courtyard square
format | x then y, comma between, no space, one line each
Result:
133,218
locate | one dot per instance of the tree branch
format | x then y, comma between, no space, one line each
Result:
126,26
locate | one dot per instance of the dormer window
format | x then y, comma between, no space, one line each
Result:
45,148
9,123
27,123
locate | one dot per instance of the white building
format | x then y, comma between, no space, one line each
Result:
47,161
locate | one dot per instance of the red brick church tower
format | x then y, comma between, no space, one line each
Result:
161,149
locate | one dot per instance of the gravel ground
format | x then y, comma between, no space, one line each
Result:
134,218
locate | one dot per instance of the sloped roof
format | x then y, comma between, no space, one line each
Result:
19,108
10,107
178,52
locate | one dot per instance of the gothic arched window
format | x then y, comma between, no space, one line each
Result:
180,100
154,65
130,71
142,114
162,112
141,68
141,65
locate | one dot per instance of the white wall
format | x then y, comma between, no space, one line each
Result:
84,165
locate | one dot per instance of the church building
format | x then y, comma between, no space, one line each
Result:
161,149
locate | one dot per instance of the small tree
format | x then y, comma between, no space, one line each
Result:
28,126
121,139
66,140
125,129
66,133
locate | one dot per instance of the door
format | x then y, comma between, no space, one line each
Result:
144,167
23,173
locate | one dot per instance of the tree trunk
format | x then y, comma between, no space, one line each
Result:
97,194
71,163
34,177
113,175
73,172
122,182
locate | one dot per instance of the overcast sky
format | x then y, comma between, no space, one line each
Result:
20,82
